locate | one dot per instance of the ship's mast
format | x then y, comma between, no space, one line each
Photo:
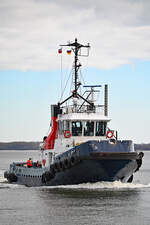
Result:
76,48
76,67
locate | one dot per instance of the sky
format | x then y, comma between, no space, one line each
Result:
30,67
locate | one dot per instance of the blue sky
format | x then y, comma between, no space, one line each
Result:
31,32
25,99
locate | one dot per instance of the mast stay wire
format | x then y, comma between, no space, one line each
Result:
64,79
61,75
86,66
71,82
65,85
81,75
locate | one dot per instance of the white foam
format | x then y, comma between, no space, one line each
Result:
2,179
4,183
116,185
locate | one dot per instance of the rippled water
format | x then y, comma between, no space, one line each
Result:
109,203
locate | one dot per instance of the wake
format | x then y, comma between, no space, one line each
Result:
4,183
116,185
2,179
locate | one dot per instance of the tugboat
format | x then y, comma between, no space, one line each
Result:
81,147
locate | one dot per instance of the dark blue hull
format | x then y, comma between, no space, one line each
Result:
86,163
96,171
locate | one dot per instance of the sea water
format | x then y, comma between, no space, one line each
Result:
109,203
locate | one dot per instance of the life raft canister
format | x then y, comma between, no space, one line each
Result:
67,134
110,134
44,162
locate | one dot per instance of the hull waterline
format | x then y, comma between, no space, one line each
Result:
95,168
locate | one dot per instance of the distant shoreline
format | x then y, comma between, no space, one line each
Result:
19,145
142,147
36,146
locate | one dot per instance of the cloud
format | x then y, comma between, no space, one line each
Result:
31,31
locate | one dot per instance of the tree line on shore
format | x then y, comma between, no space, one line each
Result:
20,145
36,146
142,146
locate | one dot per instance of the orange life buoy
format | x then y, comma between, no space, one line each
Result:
67,134
110,134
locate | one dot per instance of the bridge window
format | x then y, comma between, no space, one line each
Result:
76,128
88,128
100,128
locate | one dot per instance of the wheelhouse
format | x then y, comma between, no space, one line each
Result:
84,128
